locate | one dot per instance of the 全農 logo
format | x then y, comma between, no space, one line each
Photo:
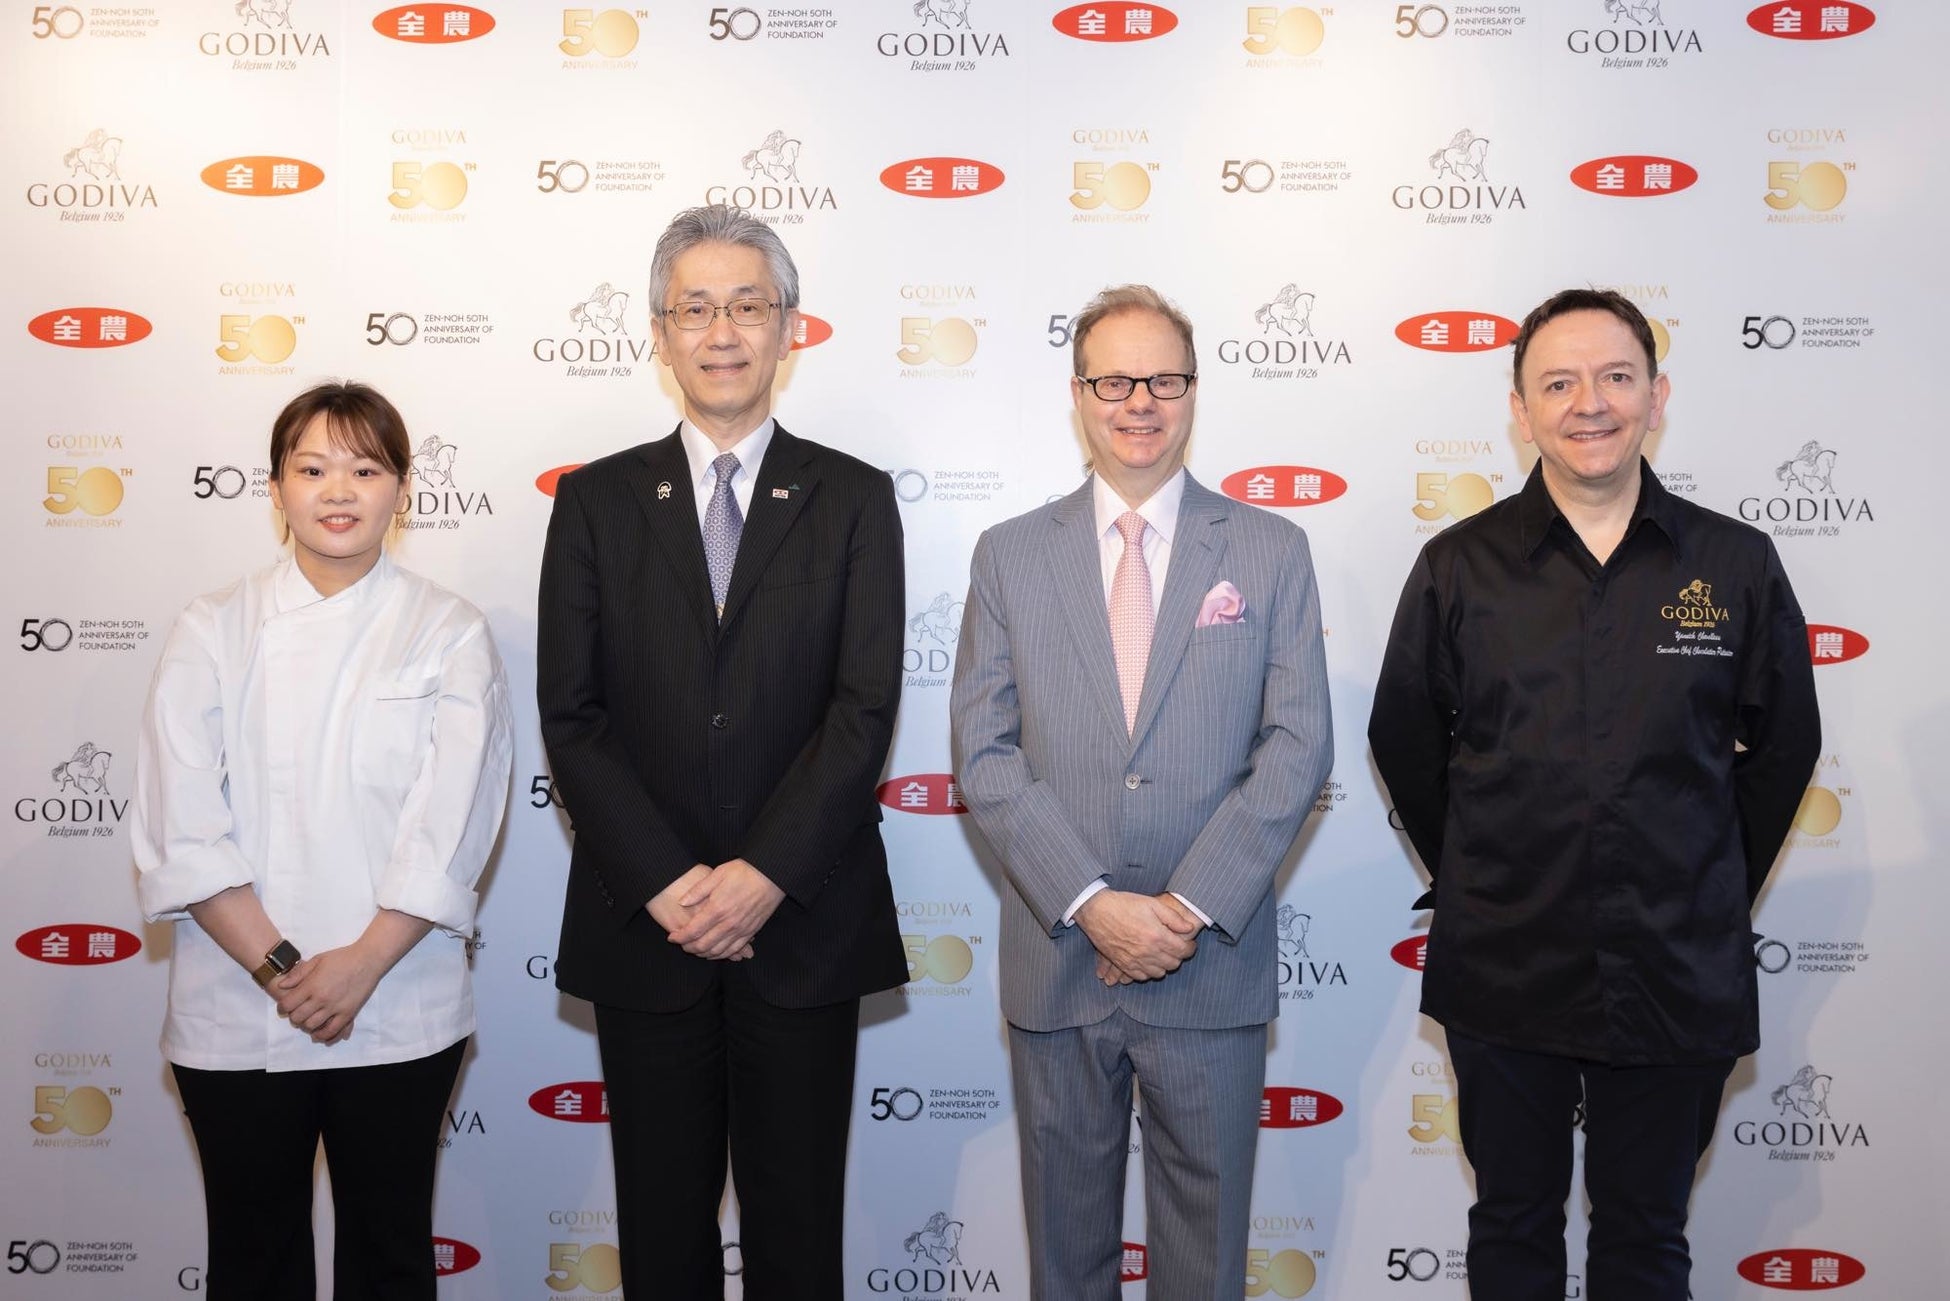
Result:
942,178
89,327
809,331
1283,485
1801,1269
1634,176
581,1101
1811,20
926,792
262,176
1115,21
441,24
1457,331
452,1256
1288,1108
1829,644
78,944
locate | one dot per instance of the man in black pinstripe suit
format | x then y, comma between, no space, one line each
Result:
718,667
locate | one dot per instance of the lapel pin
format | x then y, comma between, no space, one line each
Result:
783,494
663,491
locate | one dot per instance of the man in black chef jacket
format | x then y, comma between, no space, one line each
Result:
1596,718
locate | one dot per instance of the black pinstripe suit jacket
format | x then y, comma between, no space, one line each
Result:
676,739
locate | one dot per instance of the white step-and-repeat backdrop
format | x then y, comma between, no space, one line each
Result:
211,203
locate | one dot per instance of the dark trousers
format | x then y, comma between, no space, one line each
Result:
1645,1129
776,1086
257,1136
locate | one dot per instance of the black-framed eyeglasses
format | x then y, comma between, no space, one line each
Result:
701,315
1116,388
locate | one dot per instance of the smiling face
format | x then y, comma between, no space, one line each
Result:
1139,443
1587,402
725,370
338,504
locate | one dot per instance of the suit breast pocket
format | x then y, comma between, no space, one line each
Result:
1224,636
394,730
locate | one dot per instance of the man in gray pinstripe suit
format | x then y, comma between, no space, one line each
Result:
1140,776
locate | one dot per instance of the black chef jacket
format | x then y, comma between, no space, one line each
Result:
1597,765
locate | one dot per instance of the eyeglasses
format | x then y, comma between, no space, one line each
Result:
701,316
1116,388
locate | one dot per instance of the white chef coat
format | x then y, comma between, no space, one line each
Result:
340,755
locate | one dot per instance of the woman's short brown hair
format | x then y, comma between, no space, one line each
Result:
358,418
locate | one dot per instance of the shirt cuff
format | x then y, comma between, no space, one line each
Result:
1193,908
1101,883
430,896
166,891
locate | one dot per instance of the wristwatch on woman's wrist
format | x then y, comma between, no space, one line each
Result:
279,960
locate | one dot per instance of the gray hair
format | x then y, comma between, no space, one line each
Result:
720,223
1116,301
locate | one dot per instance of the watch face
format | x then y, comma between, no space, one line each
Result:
284,957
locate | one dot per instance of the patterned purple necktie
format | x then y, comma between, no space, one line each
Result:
722,524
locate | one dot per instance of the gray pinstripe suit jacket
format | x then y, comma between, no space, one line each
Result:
1232,743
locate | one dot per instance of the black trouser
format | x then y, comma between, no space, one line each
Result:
257,1135
1645,1129
775,1085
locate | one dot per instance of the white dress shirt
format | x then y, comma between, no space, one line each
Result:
339,755
1160,511
700,452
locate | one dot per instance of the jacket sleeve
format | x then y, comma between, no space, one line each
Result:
452,812
818,805
1017,813
1228,870
1411,728
1778,724
182,830
620,832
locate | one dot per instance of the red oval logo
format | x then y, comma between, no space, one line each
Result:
78,944
809,331
922,792
452,1256
1457,331
1412,952
89,327
1115,21
1283,1108
441,24
1135,1265
263,176
1811,20
1283,485
1634,176
547,479
942,178
582,1101
1801,1269
1828,644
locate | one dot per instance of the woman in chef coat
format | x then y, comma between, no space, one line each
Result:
321,775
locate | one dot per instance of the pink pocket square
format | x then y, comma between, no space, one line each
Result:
1223,604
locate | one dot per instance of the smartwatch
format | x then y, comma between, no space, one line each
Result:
278,961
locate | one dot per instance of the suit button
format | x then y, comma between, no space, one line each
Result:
1132,781
720,721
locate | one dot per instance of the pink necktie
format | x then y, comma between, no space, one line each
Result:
1130,615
